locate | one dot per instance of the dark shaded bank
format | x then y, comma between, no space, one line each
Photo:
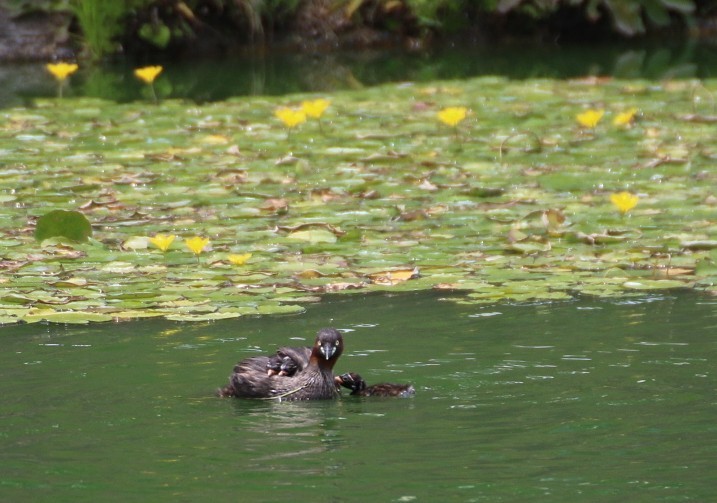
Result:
145,30
34,36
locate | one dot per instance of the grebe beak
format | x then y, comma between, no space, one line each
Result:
327,349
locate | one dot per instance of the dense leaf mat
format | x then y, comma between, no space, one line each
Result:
512,203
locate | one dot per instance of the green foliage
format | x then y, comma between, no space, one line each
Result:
72,225
157,34
627,15
449,14
102,22
190,20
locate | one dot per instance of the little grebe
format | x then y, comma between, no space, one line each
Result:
287,361
357,385
310,368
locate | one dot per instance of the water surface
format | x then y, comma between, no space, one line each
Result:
585,400
280,73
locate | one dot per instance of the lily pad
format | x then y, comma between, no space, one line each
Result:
202,317
659,284
70,317
479,210
72,225
314,236
280,309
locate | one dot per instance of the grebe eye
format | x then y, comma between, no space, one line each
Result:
336,343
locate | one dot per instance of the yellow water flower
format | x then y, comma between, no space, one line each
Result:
61,70
590,118
452,116
162,241
196,244
239,258
625,118
147,74
315,108
624,201
290,117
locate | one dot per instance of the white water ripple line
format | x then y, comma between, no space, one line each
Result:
484,315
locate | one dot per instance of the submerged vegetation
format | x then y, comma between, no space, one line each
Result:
487,187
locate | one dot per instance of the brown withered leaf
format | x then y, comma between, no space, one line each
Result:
369,194
383,156
516,236
674,271
410,216
309,274
331,228
58,250
163,156
12,265
393,277
231,177
287,160
326,194
422,106
553,220
705,119
337,287
591,80
275,205
110,202
600,237
426,184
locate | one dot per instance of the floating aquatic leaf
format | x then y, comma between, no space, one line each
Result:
70,282
313,236
279,309
529,247
385,189
705,244
70,317
658,284
136,243
72,225
16,298
202,317
119,267
136,314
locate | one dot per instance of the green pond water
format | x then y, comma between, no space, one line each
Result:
277,73
582,400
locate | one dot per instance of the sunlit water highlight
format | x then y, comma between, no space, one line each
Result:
584,400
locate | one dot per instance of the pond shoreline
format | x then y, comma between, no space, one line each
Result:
317,27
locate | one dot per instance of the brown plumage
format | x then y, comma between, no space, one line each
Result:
358,386
288,361
311,372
